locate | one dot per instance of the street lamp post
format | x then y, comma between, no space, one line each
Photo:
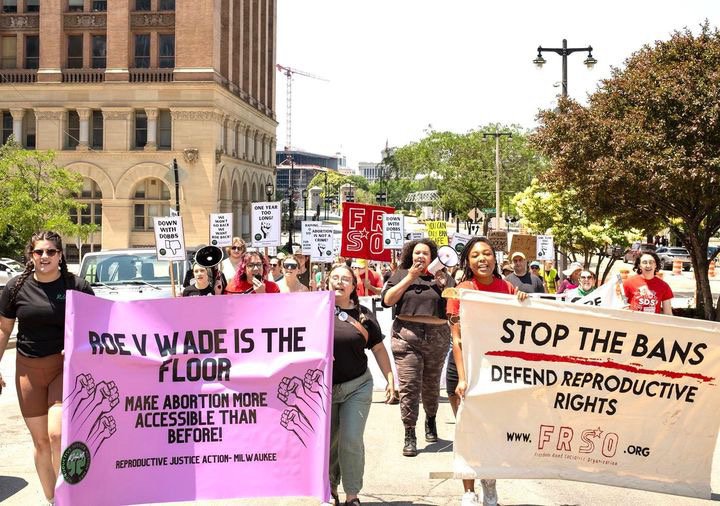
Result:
497,136
291,204
269,190
305,197
564,51
325,203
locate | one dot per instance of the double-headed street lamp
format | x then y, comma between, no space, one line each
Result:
564,51
497,136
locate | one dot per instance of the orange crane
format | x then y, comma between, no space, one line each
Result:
288,76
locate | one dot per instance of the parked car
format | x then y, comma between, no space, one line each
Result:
9,268
712,252
131,274
669,255
636,250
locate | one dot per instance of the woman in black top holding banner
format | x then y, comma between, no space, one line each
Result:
36,298
355,331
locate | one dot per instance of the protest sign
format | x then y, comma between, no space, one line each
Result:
524,243
362,228
221,225
321,244
163,406
499,240
545,249
306,228
265,224
591,394
393,234
459,241
169,238
414,236
437,231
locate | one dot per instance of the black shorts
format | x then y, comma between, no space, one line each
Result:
451,375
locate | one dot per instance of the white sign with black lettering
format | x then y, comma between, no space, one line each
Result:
545,248
169,238
306,228
321,247
337,242
393,231
221,225
459,240
414,236
265,224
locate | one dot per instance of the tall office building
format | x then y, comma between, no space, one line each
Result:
121,88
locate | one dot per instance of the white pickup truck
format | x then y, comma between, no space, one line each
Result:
131,274
9,268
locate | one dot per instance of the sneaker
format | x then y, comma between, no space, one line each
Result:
470,498
490,496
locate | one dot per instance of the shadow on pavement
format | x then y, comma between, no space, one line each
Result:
440,446
10,485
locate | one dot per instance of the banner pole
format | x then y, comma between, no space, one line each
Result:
172,278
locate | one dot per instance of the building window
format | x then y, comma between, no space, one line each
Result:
99,51
75,52
142,51
7,126
9,53
32,5
99,5
29,127
72,137
32,52
9,5
75,5
92,198
140,129
142,5
164,129
166,58
152,198
96,130
167,5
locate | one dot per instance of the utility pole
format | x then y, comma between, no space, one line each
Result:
497,136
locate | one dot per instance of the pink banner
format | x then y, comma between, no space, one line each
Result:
196,398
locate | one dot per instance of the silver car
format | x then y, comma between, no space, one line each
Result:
9,268
668,255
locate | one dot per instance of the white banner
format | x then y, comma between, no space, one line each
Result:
321,244
610,294
221,226
601,395
169,237
306,228
393,231
266,224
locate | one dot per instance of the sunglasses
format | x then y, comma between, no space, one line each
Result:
236,248
49,252
273,264
290,266
587,277
255,265
535,268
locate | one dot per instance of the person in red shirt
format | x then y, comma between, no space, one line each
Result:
251,276
646,292
369,282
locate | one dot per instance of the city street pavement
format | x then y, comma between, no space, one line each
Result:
390,478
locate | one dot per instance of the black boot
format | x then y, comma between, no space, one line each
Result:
410,448
430,429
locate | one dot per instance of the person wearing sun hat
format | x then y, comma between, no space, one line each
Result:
520,278
369,282
572,277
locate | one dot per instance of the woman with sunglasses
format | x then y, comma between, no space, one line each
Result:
36,298
480,272
587,285
420,336
355,331
234,252
290,282
252,275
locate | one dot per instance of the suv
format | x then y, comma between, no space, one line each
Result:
637,249
131,274
668,255
9,268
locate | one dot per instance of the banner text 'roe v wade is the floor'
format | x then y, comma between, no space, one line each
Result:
196,398
589,394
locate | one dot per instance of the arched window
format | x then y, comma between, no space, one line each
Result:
91,197
151,198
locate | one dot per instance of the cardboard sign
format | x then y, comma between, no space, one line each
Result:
221,226
393,231
321,242
306,228
437,231
459,241
499,240
362,227
525,244
545,248
266,224
169,238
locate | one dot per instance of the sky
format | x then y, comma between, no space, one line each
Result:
397,68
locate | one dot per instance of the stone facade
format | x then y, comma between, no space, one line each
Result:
120,121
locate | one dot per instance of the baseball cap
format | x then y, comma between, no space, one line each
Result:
517,254
575,266
506,266
359,262
535,263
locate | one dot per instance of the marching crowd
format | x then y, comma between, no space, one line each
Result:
424,333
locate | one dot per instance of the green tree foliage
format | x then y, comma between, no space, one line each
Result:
36,194
644,152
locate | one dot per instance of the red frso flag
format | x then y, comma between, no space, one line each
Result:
362,231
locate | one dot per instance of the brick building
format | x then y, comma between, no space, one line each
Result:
120,88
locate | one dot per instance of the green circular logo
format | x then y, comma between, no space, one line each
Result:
163,251
75,462
459,247
214,242
258,237
387,241
328,252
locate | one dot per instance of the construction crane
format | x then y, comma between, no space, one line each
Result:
288,76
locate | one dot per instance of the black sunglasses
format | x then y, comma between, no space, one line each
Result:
51,252
290,266
236,248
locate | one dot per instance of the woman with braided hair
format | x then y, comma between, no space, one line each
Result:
36,298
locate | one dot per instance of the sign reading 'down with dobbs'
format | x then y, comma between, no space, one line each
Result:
362,227
169,238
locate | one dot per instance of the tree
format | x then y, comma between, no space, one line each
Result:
36,194
644,151
563,215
